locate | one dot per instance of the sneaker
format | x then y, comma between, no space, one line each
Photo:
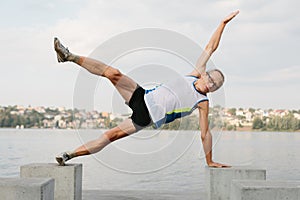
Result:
62,158
62,52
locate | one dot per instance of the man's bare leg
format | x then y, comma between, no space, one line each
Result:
125,85
122,130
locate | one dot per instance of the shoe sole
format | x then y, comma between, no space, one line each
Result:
59,58
56,45
60,161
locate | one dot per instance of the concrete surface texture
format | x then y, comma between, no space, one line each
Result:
68,178
218,180
266,190
26,189
143,195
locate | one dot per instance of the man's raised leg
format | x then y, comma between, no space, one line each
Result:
125,85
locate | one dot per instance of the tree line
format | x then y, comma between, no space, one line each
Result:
276,123
30,118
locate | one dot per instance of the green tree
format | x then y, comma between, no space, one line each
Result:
231,127
295,124
232,111
252,110
274,123
257,123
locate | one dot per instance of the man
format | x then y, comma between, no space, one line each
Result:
159,105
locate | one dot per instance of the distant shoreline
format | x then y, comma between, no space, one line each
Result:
231,119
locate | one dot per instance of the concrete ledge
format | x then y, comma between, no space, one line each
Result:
218,180
68,178
143,195
26,188
266,190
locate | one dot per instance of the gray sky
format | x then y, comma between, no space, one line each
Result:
258,51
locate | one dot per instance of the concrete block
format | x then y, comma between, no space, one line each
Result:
265,190
218,180
68,178
26,189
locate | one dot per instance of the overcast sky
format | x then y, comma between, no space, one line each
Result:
259,50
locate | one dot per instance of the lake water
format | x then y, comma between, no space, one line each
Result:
153,160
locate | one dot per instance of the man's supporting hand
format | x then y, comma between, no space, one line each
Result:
217,165
230,16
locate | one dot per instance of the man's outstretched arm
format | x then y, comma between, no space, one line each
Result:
206,136
211,46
